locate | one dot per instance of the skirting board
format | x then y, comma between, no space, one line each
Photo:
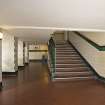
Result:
36,60
39,60
21,67
92,69
26,63
0,85
9,73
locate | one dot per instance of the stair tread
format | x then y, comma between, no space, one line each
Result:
73,75
73,60
68,65
66,52
65,58
61,55
63,51
69,62
64,71
73,68
74,72
74,78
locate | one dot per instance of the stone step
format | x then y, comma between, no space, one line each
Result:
73,74
73,60
67,55
60,43
68,62
74,78
70,65
73,68
68,58
64,53
65,48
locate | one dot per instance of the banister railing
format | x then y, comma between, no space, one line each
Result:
52,54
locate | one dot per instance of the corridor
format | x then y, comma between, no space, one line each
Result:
32,86
52,52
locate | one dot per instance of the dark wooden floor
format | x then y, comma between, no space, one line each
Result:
33,87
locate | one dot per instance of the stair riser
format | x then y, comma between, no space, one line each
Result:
66,53
72,75
61,55
85,73
69,66
73,79
74,64
65,48
60,45
68,62
71,58
74,68
64,71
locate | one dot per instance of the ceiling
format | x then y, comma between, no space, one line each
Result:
49,15
32,35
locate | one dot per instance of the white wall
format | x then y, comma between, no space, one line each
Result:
94,57
26,52
20,53
8,52
16,53
66,35
97,37
0,60
37,55
59,35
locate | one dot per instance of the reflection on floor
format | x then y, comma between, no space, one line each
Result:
32,86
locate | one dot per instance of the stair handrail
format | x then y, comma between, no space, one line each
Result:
52,53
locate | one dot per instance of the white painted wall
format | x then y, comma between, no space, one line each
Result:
66,35
36,55
59,36
8,52
0,60
20,53
97,37
33,55
26,52
94,57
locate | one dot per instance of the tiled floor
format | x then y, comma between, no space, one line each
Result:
32,86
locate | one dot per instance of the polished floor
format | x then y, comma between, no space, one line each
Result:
32,86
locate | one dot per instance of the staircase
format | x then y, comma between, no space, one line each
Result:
69,64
